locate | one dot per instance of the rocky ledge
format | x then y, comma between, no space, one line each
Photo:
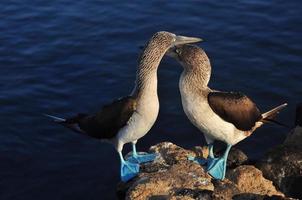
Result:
172,176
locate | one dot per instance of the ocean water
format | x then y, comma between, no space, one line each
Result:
63,57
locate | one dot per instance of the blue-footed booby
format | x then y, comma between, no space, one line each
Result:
130,118
225,116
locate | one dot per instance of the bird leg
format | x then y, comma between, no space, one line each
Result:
211,153
216,167
140,157
128,169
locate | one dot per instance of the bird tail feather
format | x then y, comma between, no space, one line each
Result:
55,119
271,114
64,122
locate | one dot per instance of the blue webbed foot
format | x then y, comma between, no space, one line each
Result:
141,157
216,167
200,161
128,170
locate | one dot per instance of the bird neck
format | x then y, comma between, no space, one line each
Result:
197,78
146,75
197,70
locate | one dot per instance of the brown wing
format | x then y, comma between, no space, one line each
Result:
235,108
106,123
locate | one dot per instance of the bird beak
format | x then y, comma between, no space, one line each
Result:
181,40
185,40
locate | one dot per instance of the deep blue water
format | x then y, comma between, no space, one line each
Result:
65,56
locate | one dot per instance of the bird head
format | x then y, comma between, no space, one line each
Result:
164,40
189,56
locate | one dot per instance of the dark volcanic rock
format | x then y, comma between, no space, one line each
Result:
249,196
283,165
294,138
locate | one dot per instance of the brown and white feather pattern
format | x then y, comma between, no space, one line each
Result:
145,90
150,58
130,118
236,108
192,57
226,116
106,123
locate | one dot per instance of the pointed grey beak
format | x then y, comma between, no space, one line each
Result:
185,40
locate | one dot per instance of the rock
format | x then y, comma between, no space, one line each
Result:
172,176
201,152
294,138
249,196
182,175
236,158
171,153
192,194
224,190
168,173
283,165
249,179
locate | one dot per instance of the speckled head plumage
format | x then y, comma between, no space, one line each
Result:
191,57
154,50
194,60
162,38
161,41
